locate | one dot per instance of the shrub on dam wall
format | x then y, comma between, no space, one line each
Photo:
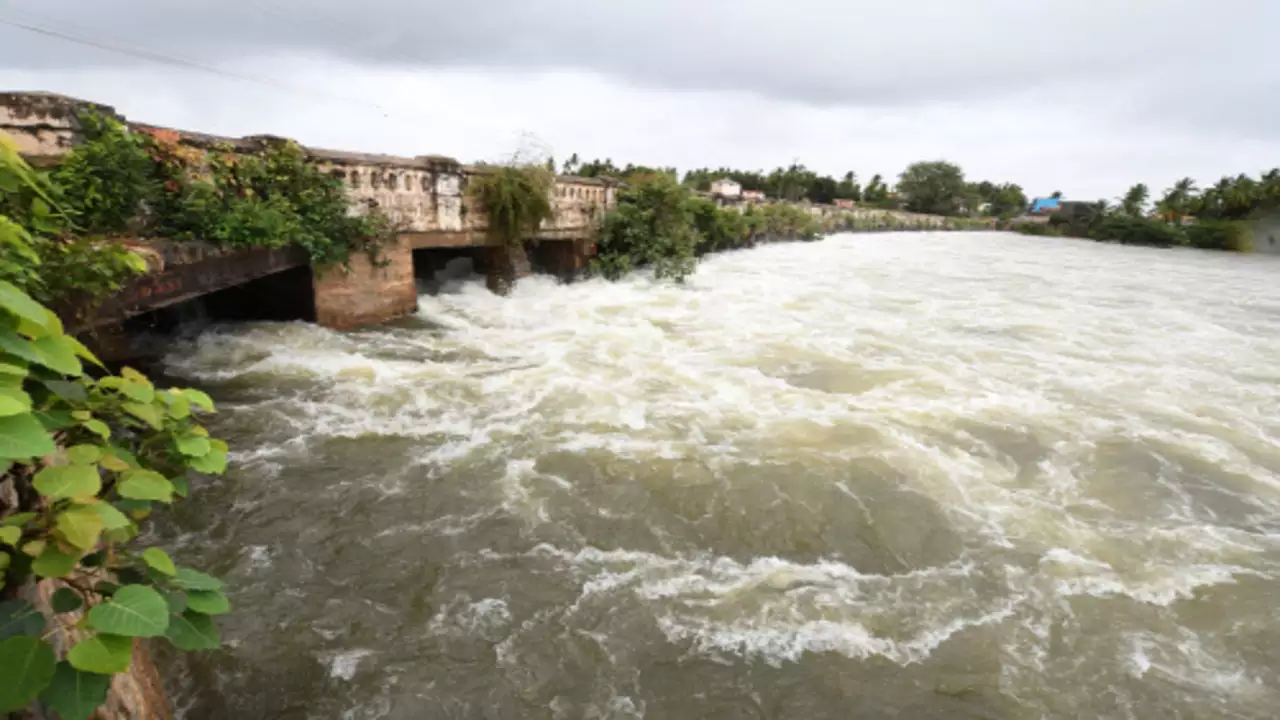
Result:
83,461
516,199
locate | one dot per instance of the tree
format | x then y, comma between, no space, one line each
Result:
1007,200
571,165
876,192
1178,200
933,187
1057,195
848,188
1135,200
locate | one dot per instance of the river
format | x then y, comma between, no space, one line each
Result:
892,475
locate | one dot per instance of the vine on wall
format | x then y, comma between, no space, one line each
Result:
516,199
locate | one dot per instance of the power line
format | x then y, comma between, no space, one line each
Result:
165,59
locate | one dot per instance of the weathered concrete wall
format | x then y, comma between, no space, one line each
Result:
367,292
44,125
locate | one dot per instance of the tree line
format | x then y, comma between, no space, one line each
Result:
936,187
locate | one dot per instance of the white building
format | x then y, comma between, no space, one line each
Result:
726,188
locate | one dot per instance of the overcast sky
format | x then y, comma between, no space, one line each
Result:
1087,96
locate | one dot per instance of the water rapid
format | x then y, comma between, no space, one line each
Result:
924,476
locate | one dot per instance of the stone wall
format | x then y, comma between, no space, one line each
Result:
366,292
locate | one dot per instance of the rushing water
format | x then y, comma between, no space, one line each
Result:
918,476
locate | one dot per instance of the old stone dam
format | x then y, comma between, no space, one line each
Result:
881,475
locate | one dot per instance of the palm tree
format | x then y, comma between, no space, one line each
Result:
1135,199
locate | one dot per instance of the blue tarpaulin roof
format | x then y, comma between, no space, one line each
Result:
1042,204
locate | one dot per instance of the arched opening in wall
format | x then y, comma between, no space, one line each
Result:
393,181
447,269
375,180
426,183
284,296
354,177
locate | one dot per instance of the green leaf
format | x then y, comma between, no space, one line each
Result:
112,519
148,413
214,463
209,602
23,437
194,446
189,579
13,401
15,370
10,535
180,485
199,399
53,563
26,664
55,419
145,485
141,393
177,602
130,375
192,631
80,526
58,354
66,600
72,392
73,694
18,346
84,454
179,409
83,352
159,559
97,427
135,611
19,518
66,481
19,617
21,305
102,654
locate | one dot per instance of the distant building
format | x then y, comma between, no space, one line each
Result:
1045,206
844,203
753,196
726,188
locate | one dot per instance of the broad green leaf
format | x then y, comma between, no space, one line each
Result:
11,369
80,526
55,419
53,563
19,518
18,346
133,376
84,454
141,393
26,664
219,445
159,559
19,617
23,437
21,305
57,353
180,485
81,414
34,547
214,463
97,427
177,602
209,602
66,600
135,611
125,455
113,463
145,485
193,631
189,579
194,446
13,401
72,392
102,654
74,694
66,481
10,535
147,413
112,519
83,352
199,399
121,534
179,409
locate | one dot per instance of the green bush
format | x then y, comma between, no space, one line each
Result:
652,226
1131,230
516,199
1220,235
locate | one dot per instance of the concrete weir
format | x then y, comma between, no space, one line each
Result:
425,197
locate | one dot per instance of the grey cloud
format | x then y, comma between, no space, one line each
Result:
889,52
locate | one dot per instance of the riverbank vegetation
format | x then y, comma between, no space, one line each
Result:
85,457
121,184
